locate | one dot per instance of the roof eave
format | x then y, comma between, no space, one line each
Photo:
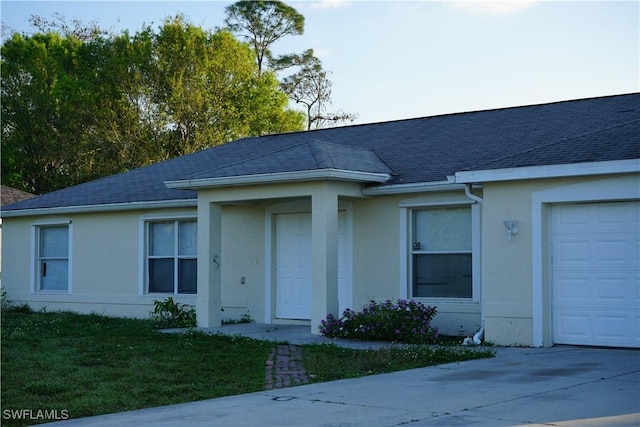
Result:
549,171
419,187
111,207
270,178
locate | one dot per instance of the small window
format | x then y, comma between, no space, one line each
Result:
172,256
52,254
441,253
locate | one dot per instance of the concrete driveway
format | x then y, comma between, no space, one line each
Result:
559,386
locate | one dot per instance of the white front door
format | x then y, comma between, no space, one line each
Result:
293,266
596,274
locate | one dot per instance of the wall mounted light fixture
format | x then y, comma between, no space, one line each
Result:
512,227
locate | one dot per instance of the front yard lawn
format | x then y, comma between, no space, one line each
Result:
88,365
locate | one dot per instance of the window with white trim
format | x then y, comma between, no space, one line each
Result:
442,252
52,257
171,258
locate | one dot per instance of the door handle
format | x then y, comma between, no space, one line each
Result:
44,269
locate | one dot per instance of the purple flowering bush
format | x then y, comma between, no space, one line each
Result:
403,321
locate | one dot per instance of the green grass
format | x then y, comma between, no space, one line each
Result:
90,364
328,363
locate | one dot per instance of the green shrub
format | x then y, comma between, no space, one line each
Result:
24,308
245,318
404,321
8,305
172,314
5,304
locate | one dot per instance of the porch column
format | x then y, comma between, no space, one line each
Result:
208,302
324,238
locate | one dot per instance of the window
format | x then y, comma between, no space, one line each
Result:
52,253
441,253
172,256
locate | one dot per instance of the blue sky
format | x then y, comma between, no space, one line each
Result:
393,60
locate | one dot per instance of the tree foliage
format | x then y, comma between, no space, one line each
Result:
79,103
204,90
60,24
51,111
76,108
311,87
262,23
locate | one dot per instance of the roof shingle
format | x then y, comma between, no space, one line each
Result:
417,150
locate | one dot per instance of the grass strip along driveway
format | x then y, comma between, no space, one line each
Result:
73,366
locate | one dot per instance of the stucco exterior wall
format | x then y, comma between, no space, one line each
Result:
107,255
511,294
243,245
507,301
105,273
247,245
16,236
379,263
376,270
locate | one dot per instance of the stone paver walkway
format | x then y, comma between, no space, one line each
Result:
285,368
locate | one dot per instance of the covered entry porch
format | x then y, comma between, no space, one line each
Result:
315,178
298,234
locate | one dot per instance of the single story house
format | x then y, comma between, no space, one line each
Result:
524,221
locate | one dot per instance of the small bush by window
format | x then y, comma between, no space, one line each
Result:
171,314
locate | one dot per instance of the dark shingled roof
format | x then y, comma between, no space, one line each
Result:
412,151
301,156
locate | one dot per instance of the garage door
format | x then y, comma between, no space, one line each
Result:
596,274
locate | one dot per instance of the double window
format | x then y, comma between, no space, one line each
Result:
171,261
442,252
52,257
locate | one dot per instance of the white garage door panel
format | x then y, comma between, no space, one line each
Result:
597,289
596,274
597,250
597,329
607,217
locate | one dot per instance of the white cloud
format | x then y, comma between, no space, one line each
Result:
321,53
329,4
491,7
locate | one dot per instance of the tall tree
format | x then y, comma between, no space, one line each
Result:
58,23
262,23
76,109
51,111
311,87
205,90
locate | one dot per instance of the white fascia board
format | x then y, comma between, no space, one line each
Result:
307,175
113,207
420,187
549,171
